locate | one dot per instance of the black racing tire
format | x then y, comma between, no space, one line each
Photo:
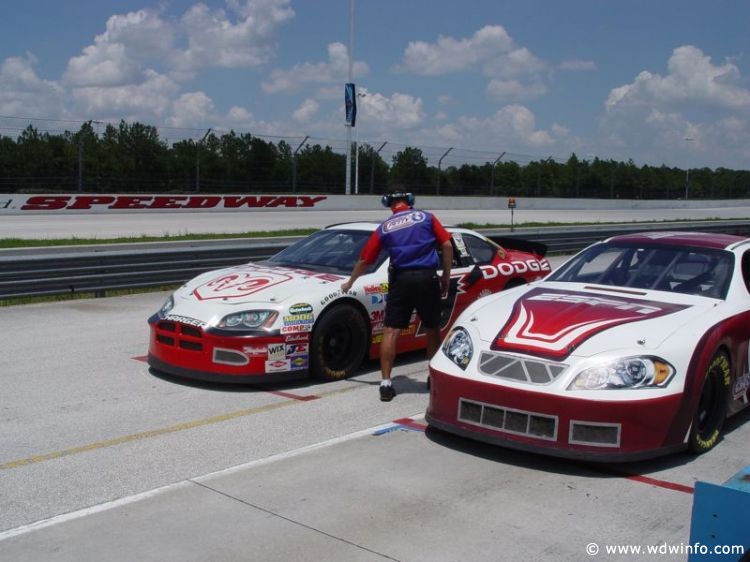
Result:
339,343
711,411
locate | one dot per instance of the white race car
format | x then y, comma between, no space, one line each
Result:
287,316
635,347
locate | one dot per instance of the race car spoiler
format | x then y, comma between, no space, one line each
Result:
520,244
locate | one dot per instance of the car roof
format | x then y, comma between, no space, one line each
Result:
371,226
694,239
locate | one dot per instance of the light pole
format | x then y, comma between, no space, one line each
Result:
492,173
372,164
349,125
687,173
198,161
356,148
440,162
294,164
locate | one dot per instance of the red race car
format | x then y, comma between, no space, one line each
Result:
286,317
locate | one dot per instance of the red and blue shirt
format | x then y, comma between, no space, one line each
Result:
409,237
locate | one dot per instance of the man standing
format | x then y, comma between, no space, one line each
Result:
411,238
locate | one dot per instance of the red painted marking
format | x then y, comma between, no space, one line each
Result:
143,358
648,480
408,422
294,396
661,483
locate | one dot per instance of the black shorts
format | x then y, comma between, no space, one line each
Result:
412,289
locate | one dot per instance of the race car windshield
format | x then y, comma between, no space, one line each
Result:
692,271
327,250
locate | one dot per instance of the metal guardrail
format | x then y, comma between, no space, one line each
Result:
100,268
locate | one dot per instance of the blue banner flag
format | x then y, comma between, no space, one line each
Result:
350,100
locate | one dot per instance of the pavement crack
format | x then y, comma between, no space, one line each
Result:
293,522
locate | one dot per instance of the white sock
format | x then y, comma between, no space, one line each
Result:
385,382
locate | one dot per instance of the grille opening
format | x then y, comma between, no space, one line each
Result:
470,412
191,331
167,326
512,421
166,340
600,435
191,345
230,357
521,369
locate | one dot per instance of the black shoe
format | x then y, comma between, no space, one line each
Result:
387,393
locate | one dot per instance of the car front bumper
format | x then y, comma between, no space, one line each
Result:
598,430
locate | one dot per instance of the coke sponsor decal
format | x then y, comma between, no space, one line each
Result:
156,202
552,323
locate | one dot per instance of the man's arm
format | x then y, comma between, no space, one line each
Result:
359,268
447,253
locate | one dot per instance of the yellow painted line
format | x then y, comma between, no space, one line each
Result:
36,459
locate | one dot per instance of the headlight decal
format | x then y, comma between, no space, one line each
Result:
458,347
625,373
248,319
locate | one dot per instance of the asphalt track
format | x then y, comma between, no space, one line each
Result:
101,459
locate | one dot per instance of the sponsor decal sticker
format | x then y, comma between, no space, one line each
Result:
255,351
297,338
552,323
297,363
403,221
240,282
296,328
516,267
292,349
185,320
277,366
376,289
276,351
301,308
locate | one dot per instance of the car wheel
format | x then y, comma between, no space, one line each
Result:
711,412
339,343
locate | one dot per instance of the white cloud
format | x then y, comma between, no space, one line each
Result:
305,112
452,55
22,92
335,69
692,77
150,99
399,111
515,73
577,65
214,39
695,99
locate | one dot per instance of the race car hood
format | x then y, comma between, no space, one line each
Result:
553,322
250,284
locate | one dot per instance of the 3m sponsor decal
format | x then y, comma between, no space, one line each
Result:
276,351
255,351
277,366
240,282
161,202
377,315
553,323
185,320
403,221
301,308
292,349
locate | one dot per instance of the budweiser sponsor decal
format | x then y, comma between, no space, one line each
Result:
155,202
552,323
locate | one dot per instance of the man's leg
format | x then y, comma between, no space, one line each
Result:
433,341
388,351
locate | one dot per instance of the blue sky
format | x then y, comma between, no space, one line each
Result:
534,79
